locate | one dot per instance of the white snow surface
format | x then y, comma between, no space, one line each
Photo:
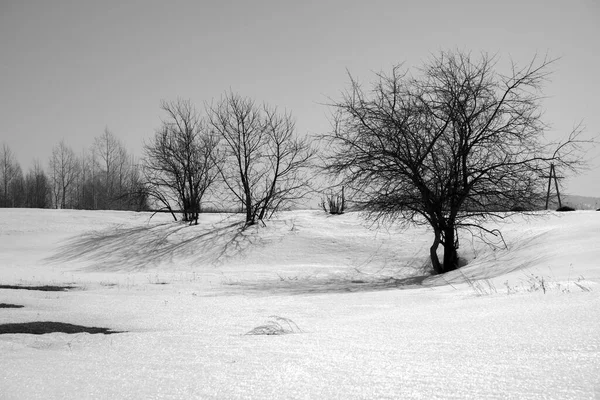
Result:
521,320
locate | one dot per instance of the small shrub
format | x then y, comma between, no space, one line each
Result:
565,208
276,326
334,205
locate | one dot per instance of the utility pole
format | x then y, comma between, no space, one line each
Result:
550,176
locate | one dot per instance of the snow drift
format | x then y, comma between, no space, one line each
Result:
520,320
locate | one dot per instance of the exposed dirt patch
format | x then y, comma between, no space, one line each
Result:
42,327
4,305
45,288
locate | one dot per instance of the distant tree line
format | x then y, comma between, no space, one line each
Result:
104,177
237,153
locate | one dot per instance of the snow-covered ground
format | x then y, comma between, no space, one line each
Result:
516,322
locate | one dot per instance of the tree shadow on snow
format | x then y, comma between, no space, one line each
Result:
142,247
491,263
326,285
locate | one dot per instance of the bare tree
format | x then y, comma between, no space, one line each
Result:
8,169
448,148
109,176
135,195
64,170
266,163
17,188
107,150
180,163
37,187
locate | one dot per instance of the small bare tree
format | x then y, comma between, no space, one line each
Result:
181,161
448,148
265,163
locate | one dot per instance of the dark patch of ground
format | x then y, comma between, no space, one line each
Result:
4,305
45,288
42,327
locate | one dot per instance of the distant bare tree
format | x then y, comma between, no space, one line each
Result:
109,176
448,148
107,151
64,170
180,162
8,167
266,163
136,196
37,187
17,188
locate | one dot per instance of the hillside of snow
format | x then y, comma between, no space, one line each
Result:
366,318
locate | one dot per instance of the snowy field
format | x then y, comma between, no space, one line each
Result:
518,322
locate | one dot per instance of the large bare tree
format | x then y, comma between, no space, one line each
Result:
180,162
265,162
449,146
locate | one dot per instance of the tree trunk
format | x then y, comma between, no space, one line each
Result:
435,261
450,253
249,214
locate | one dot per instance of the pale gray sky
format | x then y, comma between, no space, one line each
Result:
70,68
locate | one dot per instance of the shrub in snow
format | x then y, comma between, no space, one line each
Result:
334,205
276,326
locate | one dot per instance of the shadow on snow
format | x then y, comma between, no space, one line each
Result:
142,247
326,285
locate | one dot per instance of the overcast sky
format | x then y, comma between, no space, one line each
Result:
68,69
